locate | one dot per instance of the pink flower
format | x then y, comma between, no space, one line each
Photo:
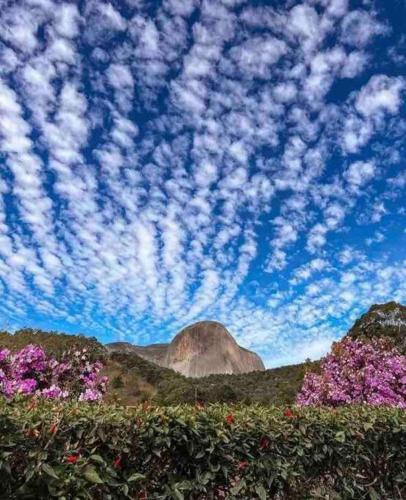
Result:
29,371
357,372
90,395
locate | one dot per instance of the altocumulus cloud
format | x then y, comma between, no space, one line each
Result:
164,162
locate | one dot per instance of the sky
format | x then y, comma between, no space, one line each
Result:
172,161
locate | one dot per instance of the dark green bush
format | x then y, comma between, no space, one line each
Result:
241,452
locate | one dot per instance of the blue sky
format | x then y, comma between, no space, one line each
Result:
165,162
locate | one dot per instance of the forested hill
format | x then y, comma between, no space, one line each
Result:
134,379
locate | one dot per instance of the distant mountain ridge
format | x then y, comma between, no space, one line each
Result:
201,349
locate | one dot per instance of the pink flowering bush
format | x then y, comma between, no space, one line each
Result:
31,372
357,372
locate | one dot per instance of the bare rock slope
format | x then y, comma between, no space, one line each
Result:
201,349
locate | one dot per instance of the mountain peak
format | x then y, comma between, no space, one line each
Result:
201,349
383,320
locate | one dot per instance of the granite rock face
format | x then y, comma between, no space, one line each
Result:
201,349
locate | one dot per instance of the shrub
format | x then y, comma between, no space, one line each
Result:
30,372
358,372
77,450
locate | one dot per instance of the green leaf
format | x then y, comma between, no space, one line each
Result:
177,494
92,476
97,458
49,471
260,491
373,494
135,477
340,436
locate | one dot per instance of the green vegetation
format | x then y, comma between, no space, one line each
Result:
54,343
166,387
221,451
133,379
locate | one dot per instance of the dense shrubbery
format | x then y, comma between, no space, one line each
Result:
98,452
357,372
275,386
30,371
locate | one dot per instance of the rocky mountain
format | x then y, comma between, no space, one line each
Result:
383,320
201,349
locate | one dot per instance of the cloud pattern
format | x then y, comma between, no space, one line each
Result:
164,162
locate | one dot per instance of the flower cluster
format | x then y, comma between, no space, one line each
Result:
357,372
31,372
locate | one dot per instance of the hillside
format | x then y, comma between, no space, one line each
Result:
143,380
134,379
54,343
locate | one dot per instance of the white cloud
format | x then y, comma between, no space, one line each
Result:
381,93
303,21
67,20
359,27
120,76
359,173
155,166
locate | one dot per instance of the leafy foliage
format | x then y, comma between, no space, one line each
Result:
194,452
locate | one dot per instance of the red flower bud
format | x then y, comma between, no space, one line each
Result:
243,465
72,459
230,419
117,463
288,413
53,429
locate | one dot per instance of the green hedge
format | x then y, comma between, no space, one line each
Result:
192,453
